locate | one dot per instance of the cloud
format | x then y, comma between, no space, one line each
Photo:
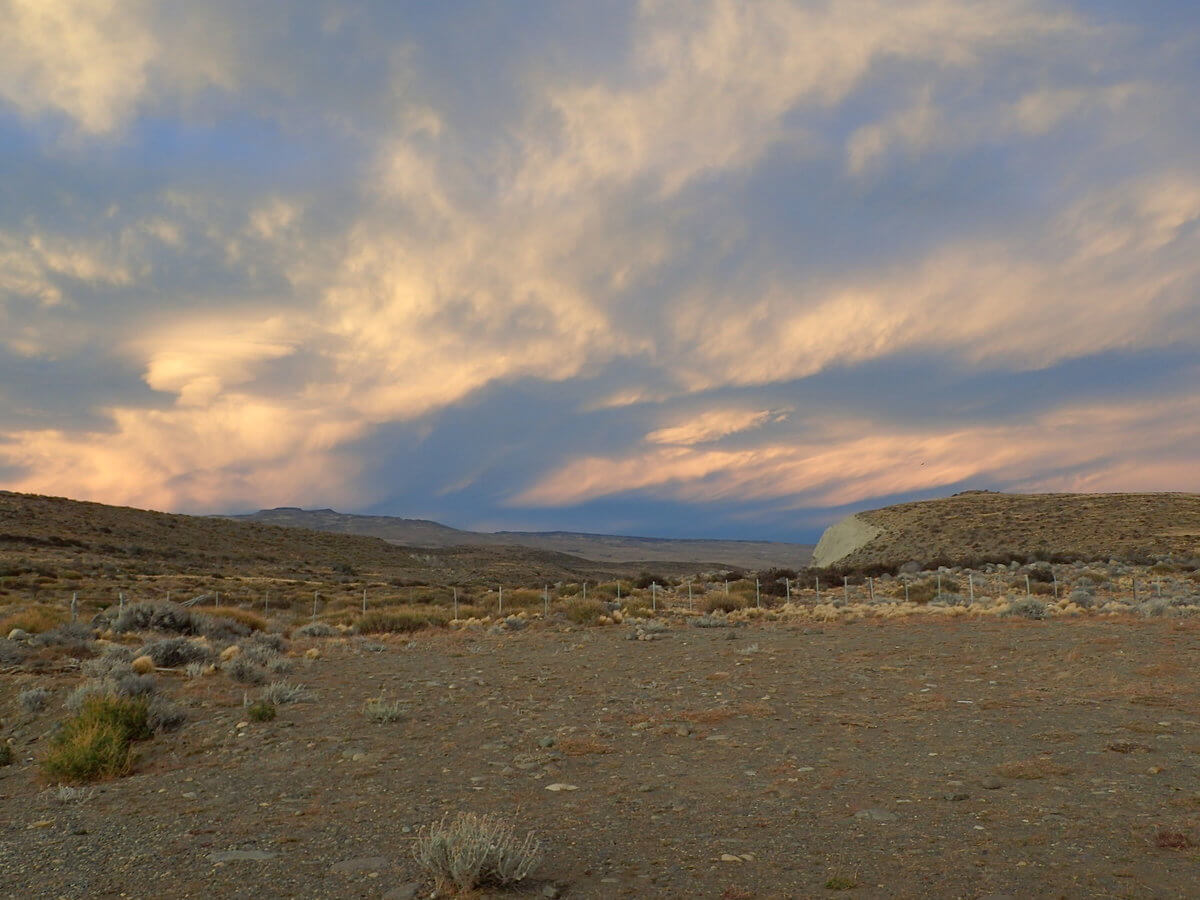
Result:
1094,447
705,427
307,242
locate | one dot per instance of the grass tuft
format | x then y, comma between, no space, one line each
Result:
472,851
96,742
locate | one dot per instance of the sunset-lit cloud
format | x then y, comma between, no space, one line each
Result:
719,263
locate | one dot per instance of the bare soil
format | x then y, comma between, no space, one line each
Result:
928,757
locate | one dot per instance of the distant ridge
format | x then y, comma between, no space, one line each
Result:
605,548
985,526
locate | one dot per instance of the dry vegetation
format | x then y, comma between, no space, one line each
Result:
1019,728
978,527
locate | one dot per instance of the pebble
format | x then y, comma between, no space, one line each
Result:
876,815
956,796
361,864
239,855
991,782
546,741
403,892
559,786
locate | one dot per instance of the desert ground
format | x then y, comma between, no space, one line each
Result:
953,750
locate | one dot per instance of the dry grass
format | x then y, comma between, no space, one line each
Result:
251,620
34,620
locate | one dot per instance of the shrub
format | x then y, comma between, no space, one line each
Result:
12,653
1029,608
6,753
170,653
261,711
472,851
382,711
725,603
131,684
33,700
243,670
34,620
645,579
280,692
251,620
96,742
316,630
585,612
400,621
165,715
170,617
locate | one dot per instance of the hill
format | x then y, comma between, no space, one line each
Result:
605,548
83,541
982,526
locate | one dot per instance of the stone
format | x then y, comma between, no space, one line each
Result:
956,796
403,892
546,741
991,782
876,815
551,892
225,856
559,786
360,865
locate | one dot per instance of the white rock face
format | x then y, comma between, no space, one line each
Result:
843,538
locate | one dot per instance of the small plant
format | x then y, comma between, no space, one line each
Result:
66,794
96,742
261,711
382,711
32,621
841,883
400,621
316,630
725,603
243,670
6,753
251,620
471,851
171,653
585,612
33,700
280,692
1028,608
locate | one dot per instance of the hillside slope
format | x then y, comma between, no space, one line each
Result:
57,533
598,547
980,526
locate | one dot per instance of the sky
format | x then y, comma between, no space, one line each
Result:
695,269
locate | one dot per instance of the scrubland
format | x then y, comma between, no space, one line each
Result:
1021,730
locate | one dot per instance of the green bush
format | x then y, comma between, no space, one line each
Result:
725,603
96,742
262,711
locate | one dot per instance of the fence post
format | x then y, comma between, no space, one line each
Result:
1028,589
757,594
364,601
546,599
971,585
817,582
691,605
500,608
939,588
1054,578
585,591
787,586
455,590
314,618
1135,599
74,607
846,588
871,587
654,596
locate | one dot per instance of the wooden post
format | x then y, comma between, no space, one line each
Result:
585,591
455,590
691,605
1028,589
905,591
757,594
364,601
787,586
618,589
314,618
871,587
971,585
501,607
654,596
817,582
1054,578
74,606
726,587
546,599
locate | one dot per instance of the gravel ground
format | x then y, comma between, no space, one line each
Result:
915,758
